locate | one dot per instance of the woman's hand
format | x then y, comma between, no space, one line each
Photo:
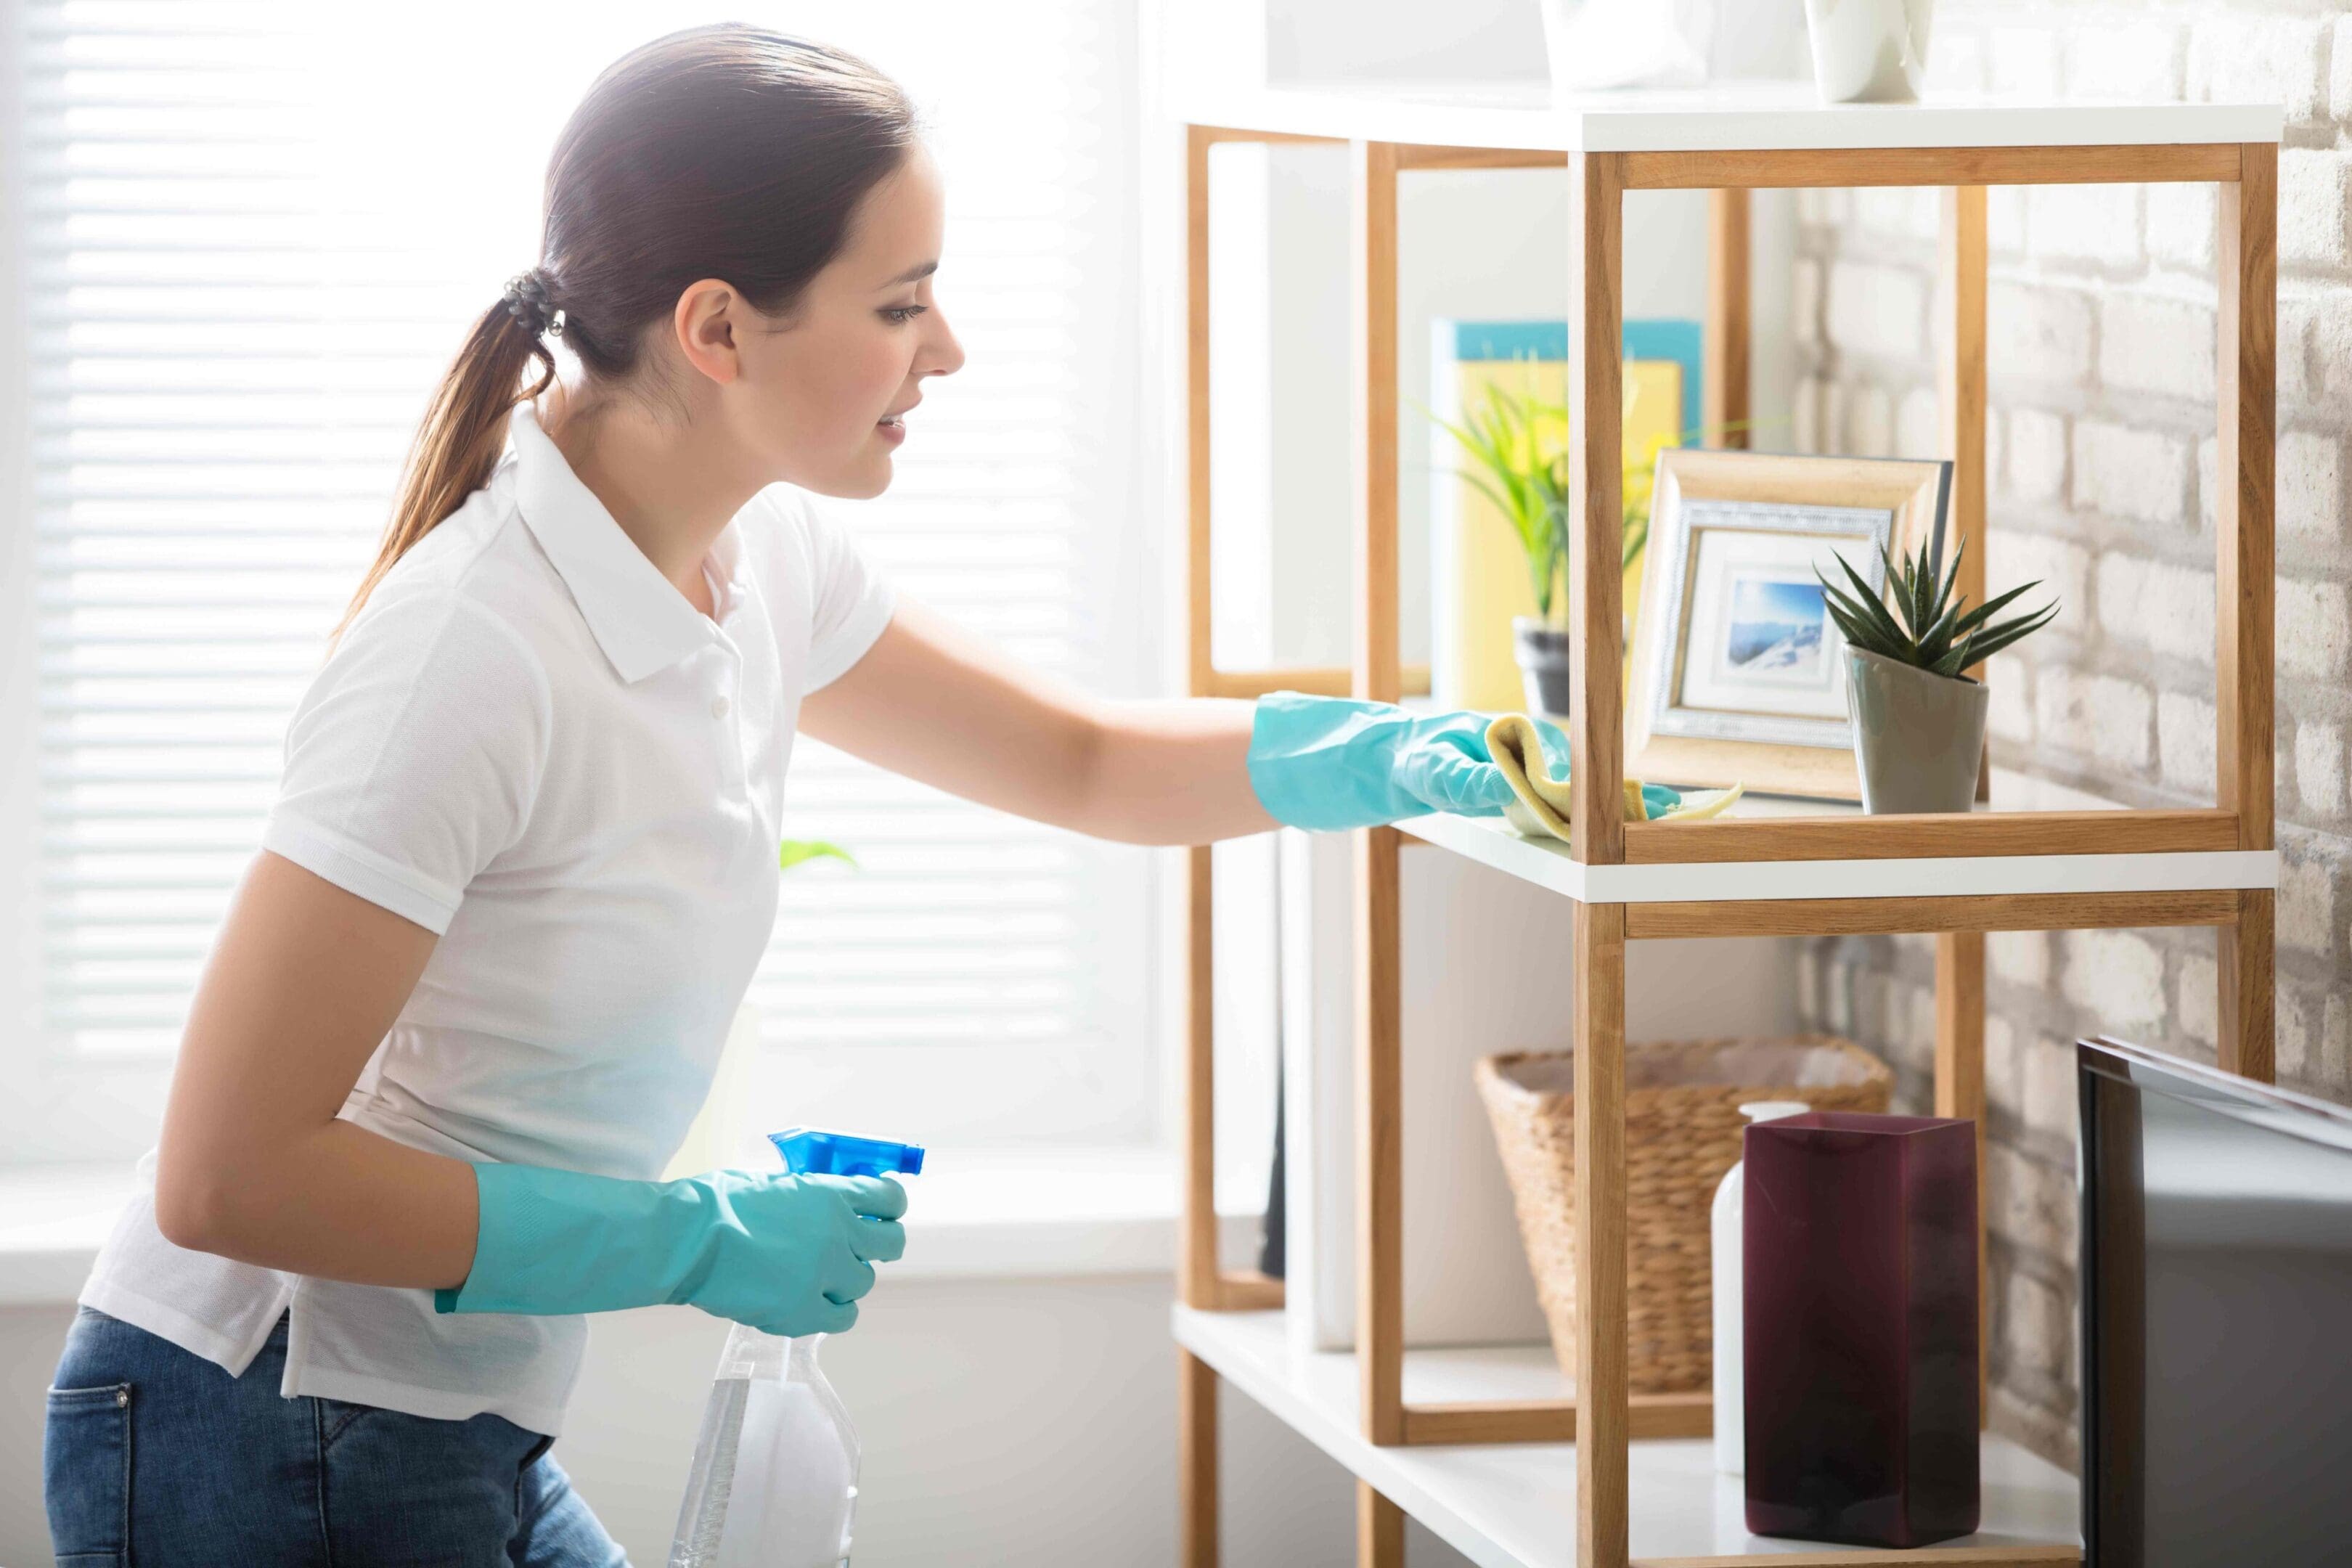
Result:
1331,763
787,1254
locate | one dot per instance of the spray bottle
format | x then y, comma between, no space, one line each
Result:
774,1483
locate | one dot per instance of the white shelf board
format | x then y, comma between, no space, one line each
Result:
1723,117
1514,1505
1547,862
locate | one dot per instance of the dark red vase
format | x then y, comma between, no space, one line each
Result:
1860,1328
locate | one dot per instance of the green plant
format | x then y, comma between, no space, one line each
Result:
796,851
1519,444
1937,631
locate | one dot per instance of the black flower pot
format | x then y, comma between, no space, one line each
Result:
1544,670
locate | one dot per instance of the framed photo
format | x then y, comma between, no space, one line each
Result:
1736,670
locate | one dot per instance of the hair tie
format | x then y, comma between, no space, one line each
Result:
525,300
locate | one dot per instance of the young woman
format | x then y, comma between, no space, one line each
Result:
523,861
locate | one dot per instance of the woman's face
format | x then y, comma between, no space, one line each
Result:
822,391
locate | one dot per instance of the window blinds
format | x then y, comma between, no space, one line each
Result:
252,239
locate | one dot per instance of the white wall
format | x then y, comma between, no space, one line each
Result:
1011,1421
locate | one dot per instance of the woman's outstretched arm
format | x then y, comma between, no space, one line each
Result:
302,983
939,705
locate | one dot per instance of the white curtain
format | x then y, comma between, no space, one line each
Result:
252,233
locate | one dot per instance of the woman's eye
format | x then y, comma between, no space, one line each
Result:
902,314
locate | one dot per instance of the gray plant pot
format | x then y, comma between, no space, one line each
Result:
1545,673
1918,738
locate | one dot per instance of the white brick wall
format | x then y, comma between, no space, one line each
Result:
2043,334
2184,744
1876,309
2181,225
2312,207
2103,717
2061,566
2249,57
2312,628
2101,352
2319,767
2310,485
2084,223
2199,1011
2139,61
2155,345
2339,75
2307,906
2116,975
2037,455
2326,317
2020,957
2138,476
2153,604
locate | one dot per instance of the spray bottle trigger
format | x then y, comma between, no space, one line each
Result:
809,1151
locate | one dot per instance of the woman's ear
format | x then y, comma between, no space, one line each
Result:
705,321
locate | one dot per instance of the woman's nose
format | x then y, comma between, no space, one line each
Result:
947,354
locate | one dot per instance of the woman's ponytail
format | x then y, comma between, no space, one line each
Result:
465,427
720,151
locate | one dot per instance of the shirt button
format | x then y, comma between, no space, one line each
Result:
718,708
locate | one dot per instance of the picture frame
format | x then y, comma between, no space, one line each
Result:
1734,669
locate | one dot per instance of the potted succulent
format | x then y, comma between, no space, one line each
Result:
1519,447
1918,722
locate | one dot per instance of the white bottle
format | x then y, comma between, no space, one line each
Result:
1727,1221
774,1483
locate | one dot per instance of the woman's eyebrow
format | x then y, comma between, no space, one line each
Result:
921,270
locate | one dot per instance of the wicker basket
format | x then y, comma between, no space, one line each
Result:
1681,1134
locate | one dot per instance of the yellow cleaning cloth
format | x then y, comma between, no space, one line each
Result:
1541,809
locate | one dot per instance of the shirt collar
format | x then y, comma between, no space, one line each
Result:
637,615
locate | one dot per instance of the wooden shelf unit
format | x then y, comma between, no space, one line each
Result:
1514,1506
1762,874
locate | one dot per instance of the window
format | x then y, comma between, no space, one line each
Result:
249,234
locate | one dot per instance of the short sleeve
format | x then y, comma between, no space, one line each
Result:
850,601
415,757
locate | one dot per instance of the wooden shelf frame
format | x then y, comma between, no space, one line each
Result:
1202,1279
1604,1415
1515,1506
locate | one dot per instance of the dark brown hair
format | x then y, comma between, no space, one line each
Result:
724,151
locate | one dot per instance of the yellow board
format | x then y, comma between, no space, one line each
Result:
1488,569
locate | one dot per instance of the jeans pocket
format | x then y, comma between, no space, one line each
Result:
86,1475
336,1416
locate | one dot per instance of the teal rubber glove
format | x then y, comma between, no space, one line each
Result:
1325,763
787,1254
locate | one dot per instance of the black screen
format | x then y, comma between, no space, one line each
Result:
2217,1319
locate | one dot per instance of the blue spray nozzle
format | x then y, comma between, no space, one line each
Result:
810,1151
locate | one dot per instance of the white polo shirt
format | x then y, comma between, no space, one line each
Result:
531,742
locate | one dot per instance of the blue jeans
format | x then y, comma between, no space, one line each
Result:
155,1456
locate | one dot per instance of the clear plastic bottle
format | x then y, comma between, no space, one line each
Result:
1726,1220
775,1470
774,1483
